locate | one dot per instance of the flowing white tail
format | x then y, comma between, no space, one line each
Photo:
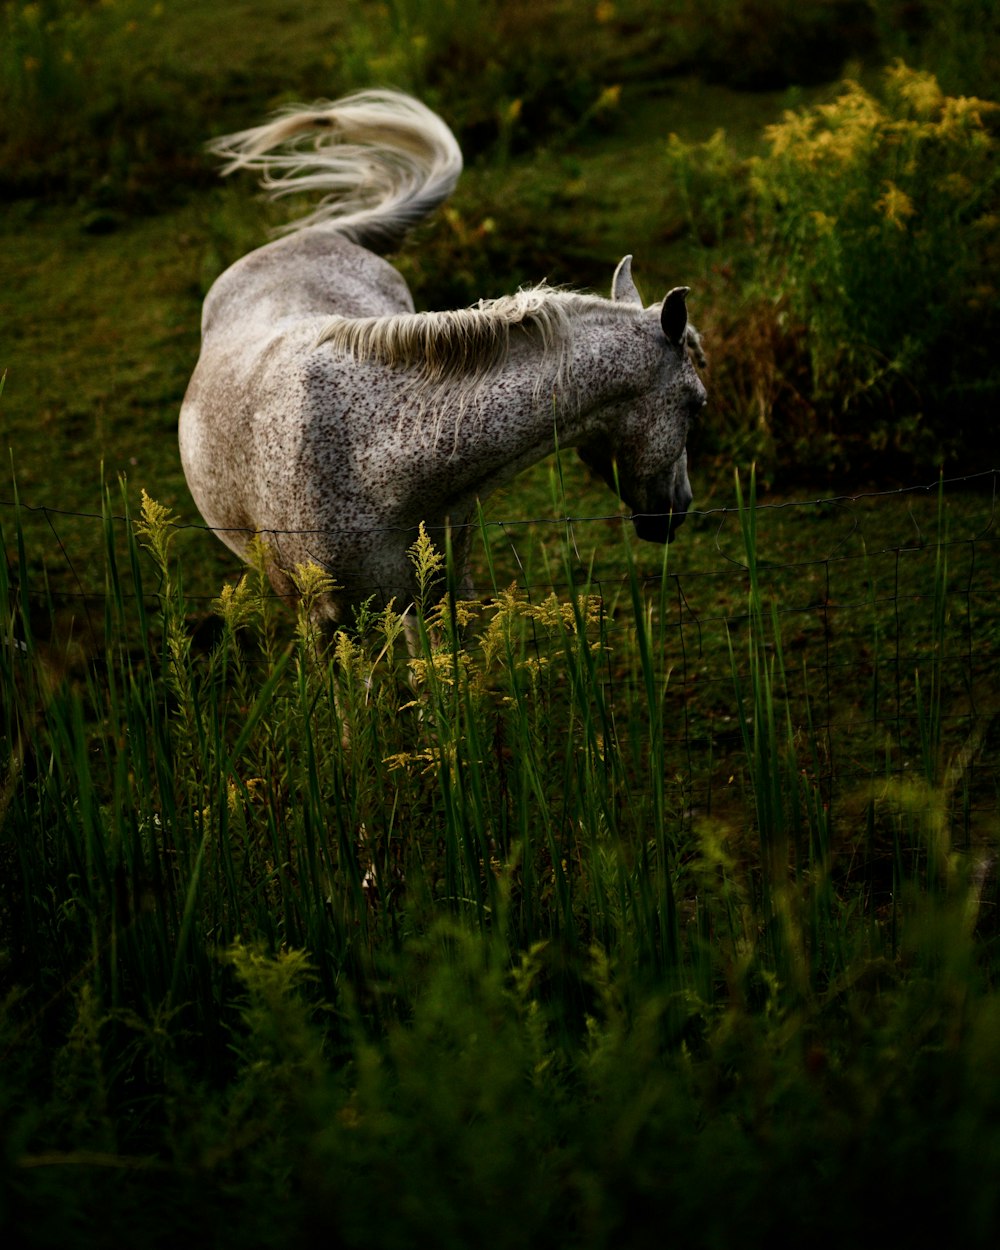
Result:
381,161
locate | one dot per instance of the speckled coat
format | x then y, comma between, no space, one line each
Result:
327,416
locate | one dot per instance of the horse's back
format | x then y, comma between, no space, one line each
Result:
311,273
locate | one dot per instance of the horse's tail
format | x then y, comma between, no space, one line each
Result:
381,160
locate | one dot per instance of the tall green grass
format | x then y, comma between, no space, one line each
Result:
315,933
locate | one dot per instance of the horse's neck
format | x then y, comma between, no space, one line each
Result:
540,400
611,358
566,395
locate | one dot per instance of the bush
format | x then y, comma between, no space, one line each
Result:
880,224
869,231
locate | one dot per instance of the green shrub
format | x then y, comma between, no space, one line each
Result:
879,223
862,298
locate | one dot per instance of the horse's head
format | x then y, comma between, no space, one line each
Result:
641,451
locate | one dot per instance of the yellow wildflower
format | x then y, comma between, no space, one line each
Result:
349,655
428,563
896,206
533,666
441,667
918,89
825,224
609,99
956,185
255,787
463,611
965,114
426,760
790,134
236,604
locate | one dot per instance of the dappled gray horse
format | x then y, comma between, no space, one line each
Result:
327,416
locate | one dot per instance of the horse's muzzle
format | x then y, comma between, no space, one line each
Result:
657,527
662,506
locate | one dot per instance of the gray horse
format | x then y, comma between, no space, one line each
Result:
327,416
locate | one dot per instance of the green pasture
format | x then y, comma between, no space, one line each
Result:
655,898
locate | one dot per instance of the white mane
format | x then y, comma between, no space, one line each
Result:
467,344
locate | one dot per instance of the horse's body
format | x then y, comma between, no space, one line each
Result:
328,417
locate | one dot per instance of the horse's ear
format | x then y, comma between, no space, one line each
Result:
674,315
623,290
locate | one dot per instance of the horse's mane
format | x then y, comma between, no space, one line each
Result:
468,343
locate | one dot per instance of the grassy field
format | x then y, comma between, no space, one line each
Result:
660,898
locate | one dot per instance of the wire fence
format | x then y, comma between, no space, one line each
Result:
886,605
